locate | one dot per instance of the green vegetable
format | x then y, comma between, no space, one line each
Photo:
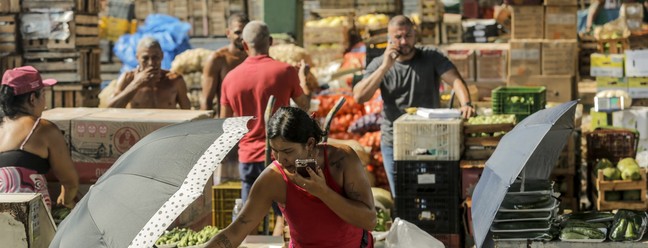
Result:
592,233
572,235
619,230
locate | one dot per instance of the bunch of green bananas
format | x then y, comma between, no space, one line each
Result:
171,237
192,238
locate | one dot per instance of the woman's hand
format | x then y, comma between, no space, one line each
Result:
315,185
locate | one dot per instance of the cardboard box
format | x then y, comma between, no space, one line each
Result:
636,63
528,22
559,57
633,118
98,138
62,118
525,57
560,22
25,221
599,119
491,65
606,65
638,87
611,83
560,2
559,88
464,61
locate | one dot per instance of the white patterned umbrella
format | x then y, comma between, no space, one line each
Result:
150,185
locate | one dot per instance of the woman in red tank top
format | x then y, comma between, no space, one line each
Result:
331,207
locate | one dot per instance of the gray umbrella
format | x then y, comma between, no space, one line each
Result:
150,185
530,151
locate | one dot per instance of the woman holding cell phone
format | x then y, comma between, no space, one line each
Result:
322,189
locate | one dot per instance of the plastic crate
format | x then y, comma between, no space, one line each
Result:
521,101
427,178
432,214
223,203
611,143
419,138
225,195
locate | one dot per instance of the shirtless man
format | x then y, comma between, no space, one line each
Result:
148,86
221,62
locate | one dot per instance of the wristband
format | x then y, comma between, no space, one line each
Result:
469,104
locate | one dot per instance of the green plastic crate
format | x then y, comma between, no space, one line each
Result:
521,101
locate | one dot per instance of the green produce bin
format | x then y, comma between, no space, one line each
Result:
521,101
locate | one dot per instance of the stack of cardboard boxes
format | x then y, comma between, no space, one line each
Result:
544,49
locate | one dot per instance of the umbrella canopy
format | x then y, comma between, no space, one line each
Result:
533,145
150,185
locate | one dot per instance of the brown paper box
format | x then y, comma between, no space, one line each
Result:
560,22
527,22
464,61
525,57
559,57
25,221
491,65
62,118
559,88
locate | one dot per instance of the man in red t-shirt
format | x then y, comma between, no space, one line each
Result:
245,92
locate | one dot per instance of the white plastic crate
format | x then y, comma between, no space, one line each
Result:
419,138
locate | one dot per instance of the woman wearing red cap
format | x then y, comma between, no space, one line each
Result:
31,147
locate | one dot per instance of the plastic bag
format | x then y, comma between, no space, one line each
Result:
172,34
404,234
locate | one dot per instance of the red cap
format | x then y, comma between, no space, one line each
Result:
25,79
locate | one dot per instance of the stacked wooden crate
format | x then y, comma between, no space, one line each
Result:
430,15
545,55
378,6
207,17
9,35
74,61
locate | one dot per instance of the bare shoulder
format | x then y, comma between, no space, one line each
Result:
126,78
48,128
219,54
341,154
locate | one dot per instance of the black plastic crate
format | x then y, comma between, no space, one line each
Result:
427,178
432,214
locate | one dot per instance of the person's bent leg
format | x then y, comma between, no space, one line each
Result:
387,150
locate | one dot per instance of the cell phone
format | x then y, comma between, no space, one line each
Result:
396,54
302,164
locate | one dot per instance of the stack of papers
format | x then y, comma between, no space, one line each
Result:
438,113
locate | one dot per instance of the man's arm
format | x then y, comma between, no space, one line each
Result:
461,90
366,88
211,82
303,102
592,11
256,207
226,111
124,92
182,98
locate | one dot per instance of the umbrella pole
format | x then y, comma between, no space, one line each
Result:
523,179
329,117
268,155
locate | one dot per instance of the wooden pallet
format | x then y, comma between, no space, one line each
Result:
86,30
603,186
430,33
110,71
87,6
84,33
8,33
319,35
32,5
451,32
9,6
72,95
82,66
10,61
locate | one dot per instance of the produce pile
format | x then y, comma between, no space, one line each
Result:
626,169
189,64
373,20
293,55
184,237
331,22
490,120
625,225
628,225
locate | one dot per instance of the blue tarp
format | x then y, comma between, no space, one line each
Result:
172,34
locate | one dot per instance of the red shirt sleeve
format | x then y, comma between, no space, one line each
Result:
223,94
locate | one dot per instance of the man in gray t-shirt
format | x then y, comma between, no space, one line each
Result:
407,76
